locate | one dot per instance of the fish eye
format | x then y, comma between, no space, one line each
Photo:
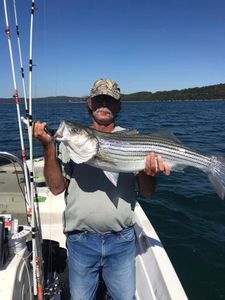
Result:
75,130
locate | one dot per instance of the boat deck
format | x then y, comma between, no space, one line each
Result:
155,275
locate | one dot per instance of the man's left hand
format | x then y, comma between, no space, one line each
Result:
155,165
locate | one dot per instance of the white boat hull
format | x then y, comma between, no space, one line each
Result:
155,275
16,279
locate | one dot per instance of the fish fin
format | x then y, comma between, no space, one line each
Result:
177,168
166,135
112,176
216,175
122,130
127,131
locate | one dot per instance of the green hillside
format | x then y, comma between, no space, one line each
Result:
198,93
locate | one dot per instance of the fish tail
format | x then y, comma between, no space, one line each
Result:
216,175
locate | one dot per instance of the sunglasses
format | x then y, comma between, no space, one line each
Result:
106,101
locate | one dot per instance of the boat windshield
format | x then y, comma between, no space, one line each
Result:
12,188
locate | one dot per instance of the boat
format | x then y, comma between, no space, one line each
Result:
33,254
155,275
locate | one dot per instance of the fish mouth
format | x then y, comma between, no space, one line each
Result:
60,132
58,136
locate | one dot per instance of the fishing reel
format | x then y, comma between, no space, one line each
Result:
53,288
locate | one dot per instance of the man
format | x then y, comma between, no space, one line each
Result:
99,217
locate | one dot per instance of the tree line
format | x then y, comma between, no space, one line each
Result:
210,92
198,93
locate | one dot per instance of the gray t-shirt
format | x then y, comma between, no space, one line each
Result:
93,203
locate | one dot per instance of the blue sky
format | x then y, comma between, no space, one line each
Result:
145,45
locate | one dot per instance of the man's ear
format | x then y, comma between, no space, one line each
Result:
89,103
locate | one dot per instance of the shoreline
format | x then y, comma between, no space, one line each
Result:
12,102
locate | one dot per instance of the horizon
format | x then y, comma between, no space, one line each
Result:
162,91
144,46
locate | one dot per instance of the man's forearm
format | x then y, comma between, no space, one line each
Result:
53,175
147,184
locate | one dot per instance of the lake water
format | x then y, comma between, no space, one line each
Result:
185,211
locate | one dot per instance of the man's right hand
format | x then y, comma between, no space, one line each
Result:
40,133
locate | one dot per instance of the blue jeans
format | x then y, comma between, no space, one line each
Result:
113,254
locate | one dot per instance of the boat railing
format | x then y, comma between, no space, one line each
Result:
14,226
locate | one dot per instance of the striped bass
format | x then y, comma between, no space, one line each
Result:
126,151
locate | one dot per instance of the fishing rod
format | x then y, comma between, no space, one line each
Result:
29,184
37,261
33,225
22,70
20,57
35,221
17,101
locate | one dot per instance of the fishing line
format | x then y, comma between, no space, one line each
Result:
47,105
16,96
18,181
35,221
20,58
21,63
29,184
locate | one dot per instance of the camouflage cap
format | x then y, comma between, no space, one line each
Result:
105,87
